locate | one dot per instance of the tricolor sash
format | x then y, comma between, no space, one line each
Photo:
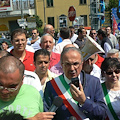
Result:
111,113
63,91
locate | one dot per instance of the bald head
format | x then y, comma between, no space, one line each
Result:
49,29
9,64
4,53
113,53
69,45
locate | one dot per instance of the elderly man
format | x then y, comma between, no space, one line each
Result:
112,38
19,41
47,42
49,29
82,103
34,41
16,96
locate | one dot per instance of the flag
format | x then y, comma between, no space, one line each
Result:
114,25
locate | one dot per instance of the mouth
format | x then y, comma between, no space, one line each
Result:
5,97
73,73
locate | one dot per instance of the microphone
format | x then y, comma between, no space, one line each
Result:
57,102
72,118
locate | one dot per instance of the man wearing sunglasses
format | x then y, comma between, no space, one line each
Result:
16,96
93,34
34,41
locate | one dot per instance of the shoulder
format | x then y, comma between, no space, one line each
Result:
55,54
30,49
30,74
28,89
51,74
92,79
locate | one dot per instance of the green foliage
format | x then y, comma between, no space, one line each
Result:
39,22
112,4
41,31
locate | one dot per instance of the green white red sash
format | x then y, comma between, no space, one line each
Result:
110,112
63,90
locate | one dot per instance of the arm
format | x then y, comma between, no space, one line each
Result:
43,116
107,47
93,106
33,41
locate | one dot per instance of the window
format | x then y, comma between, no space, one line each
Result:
51,21
63,21
85,19
82,1
49,3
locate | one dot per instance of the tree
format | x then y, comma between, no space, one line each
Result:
39,22
112,4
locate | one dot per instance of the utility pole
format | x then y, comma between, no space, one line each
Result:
22,16
44,12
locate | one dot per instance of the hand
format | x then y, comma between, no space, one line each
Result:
43,116
78,94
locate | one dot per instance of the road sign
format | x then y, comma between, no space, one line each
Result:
71,13
118,26
22,22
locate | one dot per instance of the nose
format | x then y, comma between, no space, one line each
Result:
20,41
43,64
72,67
5,91
114,74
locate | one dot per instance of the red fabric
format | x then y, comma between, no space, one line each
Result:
114,25
28,61
54,59
99,61
66,103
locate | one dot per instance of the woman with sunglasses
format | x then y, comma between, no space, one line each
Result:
111,87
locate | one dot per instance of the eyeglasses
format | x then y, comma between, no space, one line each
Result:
10,89
33,33
75,64
111,72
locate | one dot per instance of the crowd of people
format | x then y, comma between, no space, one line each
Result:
37,70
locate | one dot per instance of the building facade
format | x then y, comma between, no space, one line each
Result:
55,12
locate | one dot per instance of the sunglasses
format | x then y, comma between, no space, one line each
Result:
111,72
33,33
93,33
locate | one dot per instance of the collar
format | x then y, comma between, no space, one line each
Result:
69,81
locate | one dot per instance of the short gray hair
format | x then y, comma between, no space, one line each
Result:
47,34
113,51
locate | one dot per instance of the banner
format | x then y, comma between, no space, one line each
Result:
6,5
114,25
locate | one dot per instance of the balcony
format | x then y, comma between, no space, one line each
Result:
28,8
25,5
